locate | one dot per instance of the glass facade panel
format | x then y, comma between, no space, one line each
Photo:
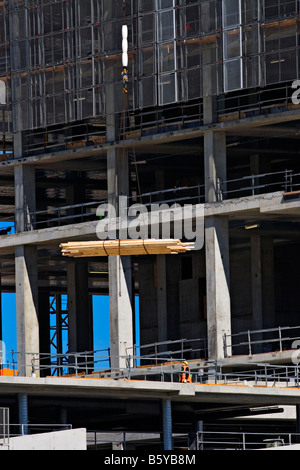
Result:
65,55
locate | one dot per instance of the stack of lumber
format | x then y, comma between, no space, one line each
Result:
124,247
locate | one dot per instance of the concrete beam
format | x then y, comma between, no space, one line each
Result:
142,389
245,207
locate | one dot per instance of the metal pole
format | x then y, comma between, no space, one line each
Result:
280,339
23,413
167,425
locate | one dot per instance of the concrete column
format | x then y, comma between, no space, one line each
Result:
120,269
216,248
120,309
217,281
25,199
214,163
79,308
26,306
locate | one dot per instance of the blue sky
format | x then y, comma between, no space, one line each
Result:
100,312
101,323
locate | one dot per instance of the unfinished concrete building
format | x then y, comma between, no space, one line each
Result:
209,116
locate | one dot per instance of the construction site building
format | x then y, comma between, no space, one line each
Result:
204,113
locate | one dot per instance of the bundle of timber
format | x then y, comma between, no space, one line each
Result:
124,247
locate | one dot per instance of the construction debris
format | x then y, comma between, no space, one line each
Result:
124,247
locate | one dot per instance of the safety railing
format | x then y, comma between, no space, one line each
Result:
286,181
64,137
17,430
165,370
157,120
251,103
55,364
214,440
63,215
259,341
182,194
168,350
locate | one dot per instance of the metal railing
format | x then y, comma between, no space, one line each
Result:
63,215
166,369
285,180
250,103
214,440
168,350
17,430
258,341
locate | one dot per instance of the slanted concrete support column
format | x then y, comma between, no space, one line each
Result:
79,308
120,308
120,269
26,268
27,307
217,280
216,248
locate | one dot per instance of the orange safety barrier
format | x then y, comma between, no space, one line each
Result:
8,372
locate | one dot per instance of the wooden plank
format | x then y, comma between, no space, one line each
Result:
124,247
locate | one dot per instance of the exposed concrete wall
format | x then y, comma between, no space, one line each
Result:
184,299
79,307
240,289
74,439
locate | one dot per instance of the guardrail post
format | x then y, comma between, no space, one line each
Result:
253,184
225,344
76,365
220,195
280,338
244,441
249,340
